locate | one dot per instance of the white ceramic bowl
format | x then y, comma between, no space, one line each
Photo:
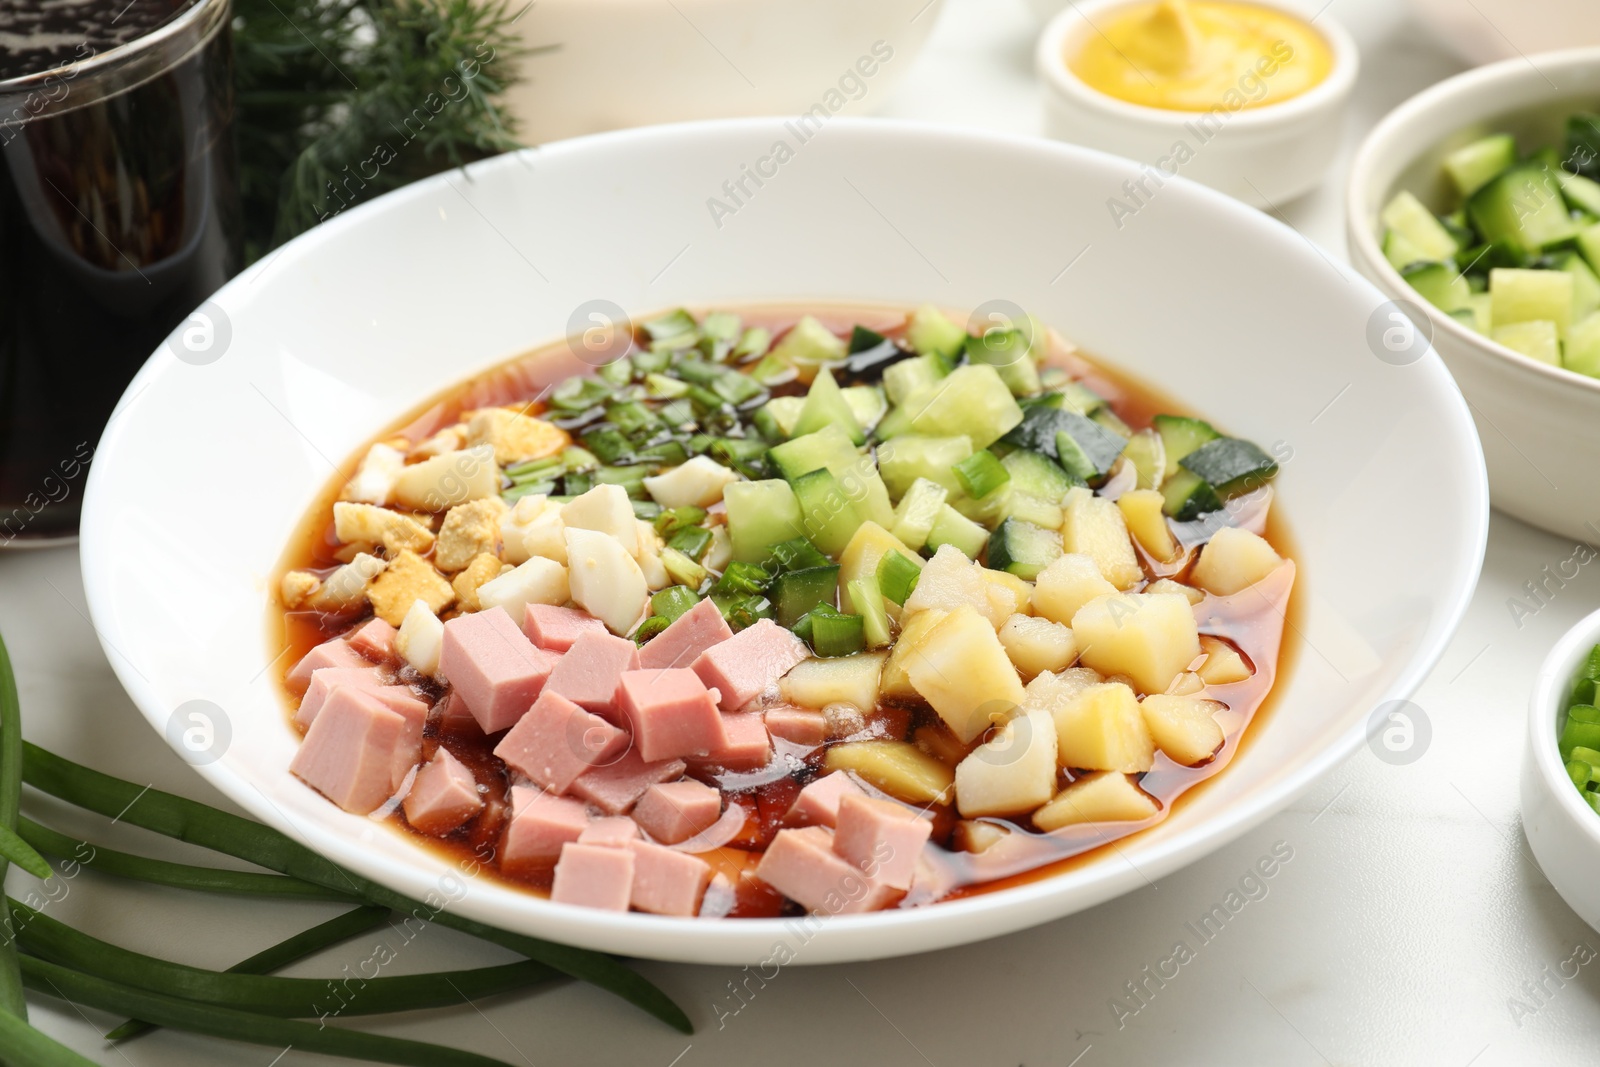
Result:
1484,31
1540,424
205,471
1563,831
622,63
1260,155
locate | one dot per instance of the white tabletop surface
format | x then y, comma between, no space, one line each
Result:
1407,928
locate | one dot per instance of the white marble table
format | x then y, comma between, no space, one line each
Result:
1410,925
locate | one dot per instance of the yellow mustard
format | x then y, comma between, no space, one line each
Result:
1201,55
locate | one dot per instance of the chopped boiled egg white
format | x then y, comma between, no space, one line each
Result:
344,589
374,479
696,483
605,579
420,637
534,581
605,509
649,558
440,483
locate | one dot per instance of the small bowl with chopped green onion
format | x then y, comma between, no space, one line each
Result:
1477,202
1561,769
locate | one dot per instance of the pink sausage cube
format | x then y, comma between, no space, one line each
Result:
540,825
802,865
798,726
818,802
594,876
350,752
690,634
443,797
671,714
591,670
374,639
667,882
557,741
747,663
324,680
493,666
616,787
554,629
748,748
612,831
334,653
673,812
455,711
881,838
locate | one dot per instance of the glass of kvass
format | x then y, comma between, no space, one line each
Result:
119,214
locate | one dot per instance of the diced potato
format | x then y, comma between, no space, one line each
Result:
1234,559
1094,527
353,522
1167,585
605,580
973,836
1008,594
949,581
473,576
408,578
1187,683
866,550
1149,637
937,741
1184,727
1037,645
514,436
1105,797
468,531
374,479
1141,510
344,589
696,483
1050,692
818,682
1013,773
1223,664
899,768
963,672
440,483
895,682
296,587
1101,729
534,581
1066,585
420,638
605,509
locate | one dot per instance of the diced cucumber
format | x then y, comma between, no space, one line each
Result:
972,400
1583,143
866,404
1588,242
1149,458
1400,252
918,509
981,474
1007,351
1581,193
1108,419
825,406
1520,295
950,527
1230,465
864,340
674,323
784,412
1440,284
1585,286
1188,496
760,515
1085,449
897,576
1029,508
1479,305
1406,215
930,331
1456,222
1023,549
829,447
1522,207
826,513
1537,339
903,379
1582,350
1181,435
809,344
867,601
911,456
1038,475
794,593
1038,428
795,554
1474,165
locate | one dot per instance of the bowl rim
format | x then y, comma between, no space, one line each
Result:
1376,147
1546,703
949,922
1058,77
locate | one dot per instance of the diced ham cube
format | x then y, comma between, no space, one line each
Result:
351,750
667,882
594,876
540,824
415,713
374,639
444,795
613,831
818,802
616,787
554,629
455,710
494,667
557,741
748,748
324,680
334,653
881,838
690,634
798,726
671,714
748,662
672,812
802,865
591,670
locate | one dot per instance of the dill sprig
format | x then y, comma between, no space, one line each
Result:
339,101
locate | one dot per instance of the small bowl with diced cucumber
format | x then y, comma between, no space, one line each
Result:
1478,202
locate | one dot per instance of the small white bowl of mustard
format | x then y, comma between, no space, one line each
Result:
1244,97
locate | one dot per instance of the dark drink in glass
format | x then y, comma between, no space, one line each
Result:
119,213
